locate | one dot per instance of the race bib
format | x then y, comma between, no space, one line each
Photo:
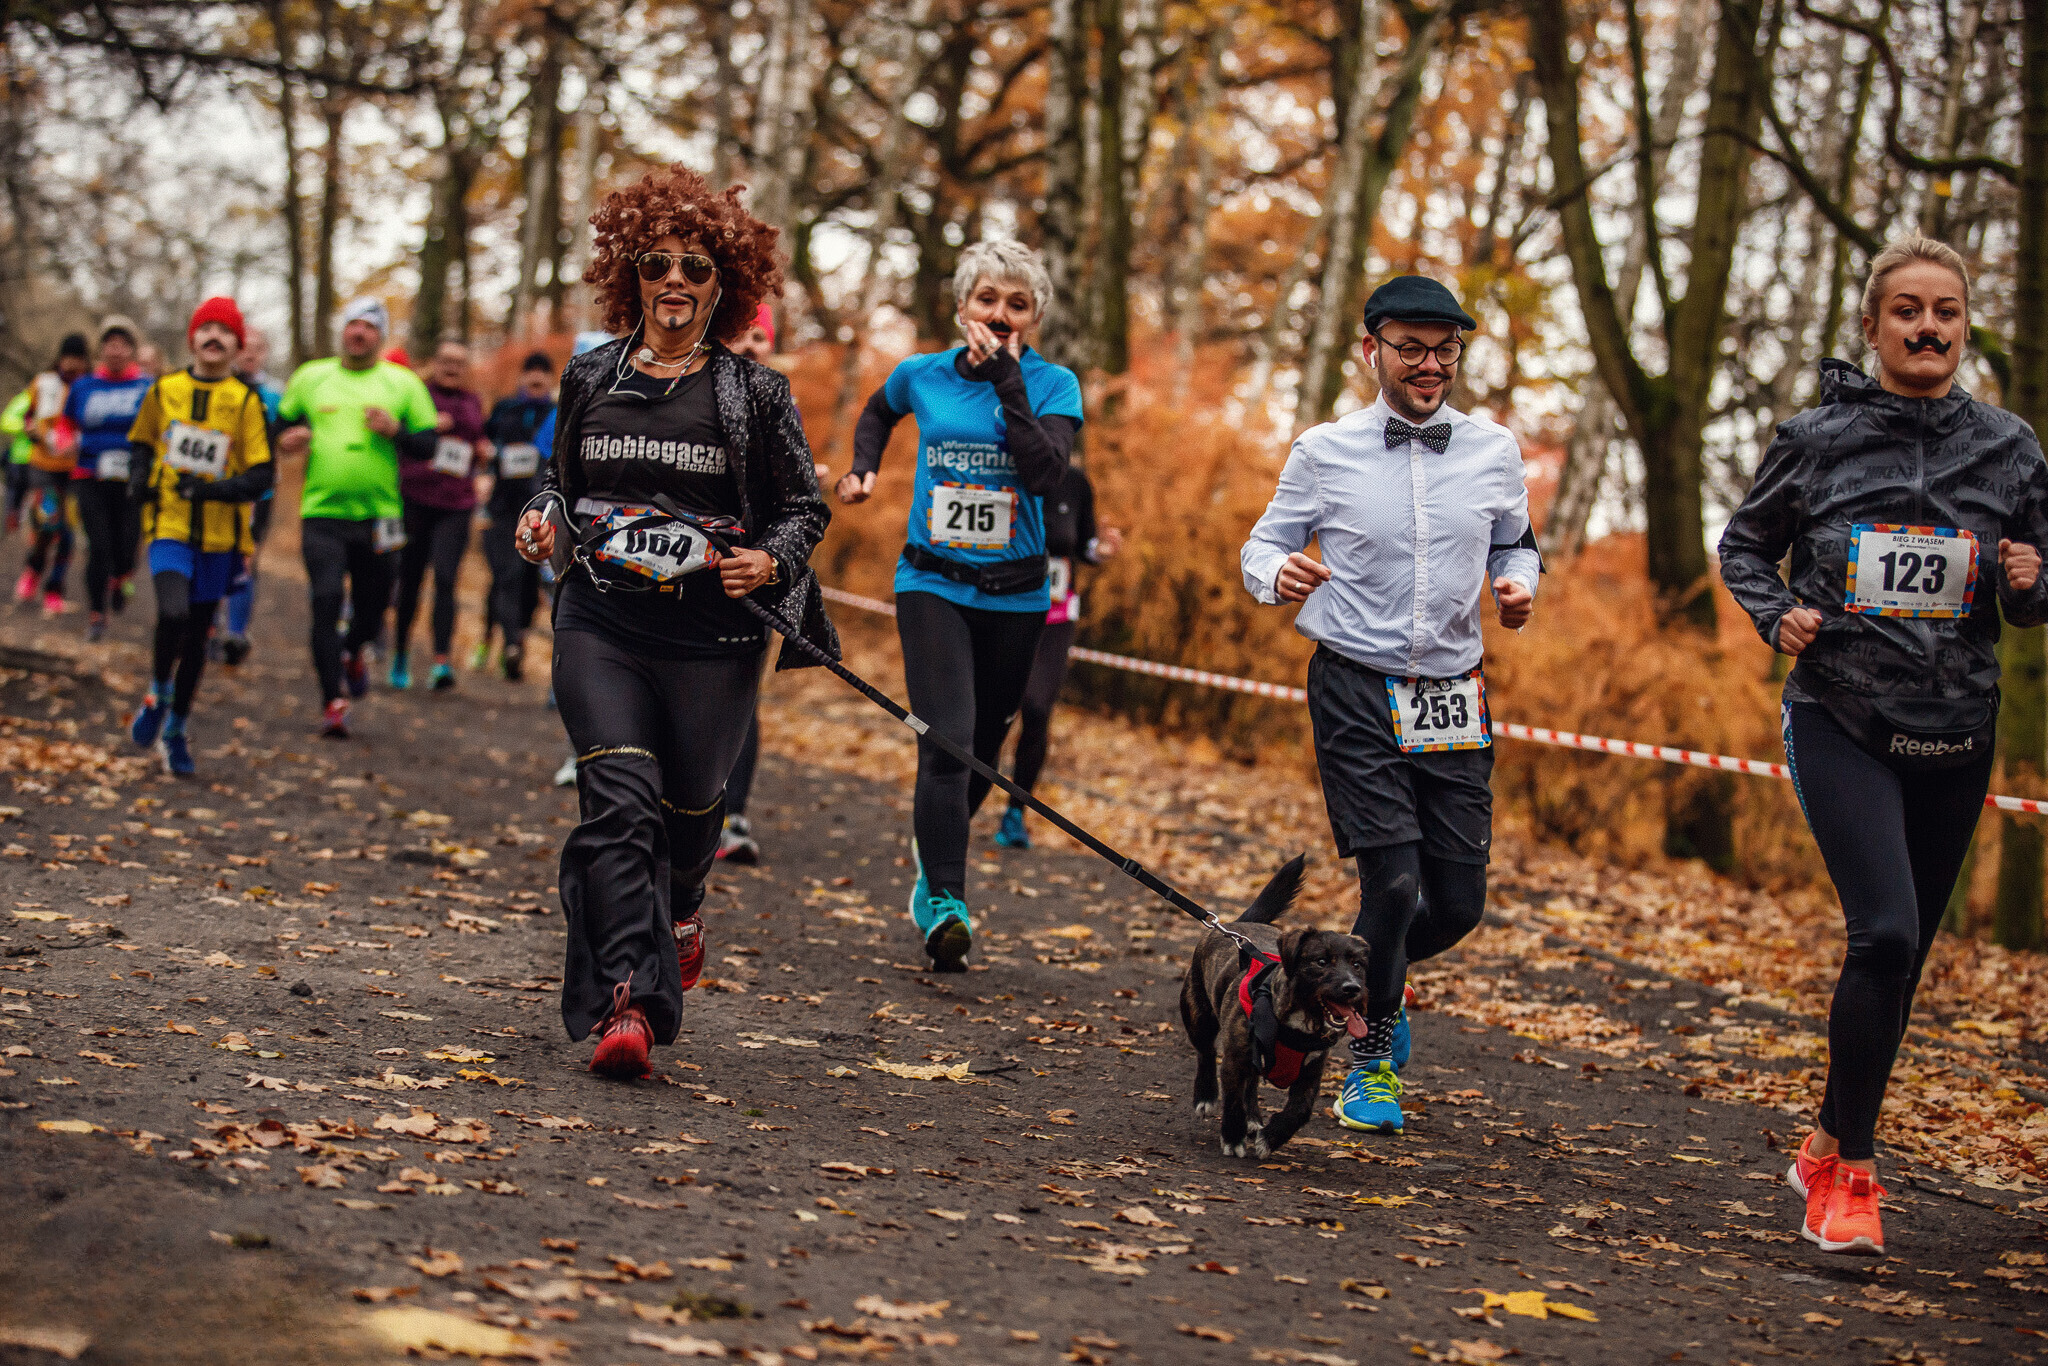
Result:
518,461
659,553
452,456
971,517
113,464
190,449
1059,576
1439,713
1911,571
387,534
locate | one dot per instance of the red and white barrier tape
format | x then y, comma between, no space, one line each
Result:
1507,730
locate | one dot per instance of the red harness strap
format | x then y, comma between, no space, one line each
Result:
1278,1051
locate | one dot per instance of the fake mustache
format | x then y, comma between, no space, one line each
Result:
1915,345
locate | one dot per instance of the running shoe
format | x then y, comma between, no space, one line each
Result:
234,648
623,1040
54,604
1371,1099
948,930
512,659
480,657
400,676
95,627
442,678
1404,1039
149,720
121,590
355,673
1841,1213
177,754
565,776
690,946
334,722
1805,1168
736,842
25,587
1011,834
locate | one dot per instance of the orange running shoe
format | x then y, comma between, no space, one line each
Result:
690,948
1805,1167
623,1040
1847,1212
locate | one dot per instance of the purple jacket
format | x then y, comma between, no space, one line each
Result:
423,481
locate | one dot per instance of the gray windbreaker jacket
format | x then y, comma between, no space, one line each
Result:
1868,456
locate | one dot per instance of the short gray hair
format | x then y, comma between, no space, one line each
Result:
1905,251
1005,261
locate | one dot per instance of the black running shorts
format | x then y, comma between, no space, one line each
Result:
1379,796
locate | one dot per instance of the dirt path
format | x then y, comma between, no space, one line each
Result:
307,1005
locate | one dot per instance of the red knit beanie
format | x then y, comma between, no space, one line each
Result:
222,310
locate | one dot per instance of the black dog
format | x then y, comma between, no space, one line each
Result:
1271,1017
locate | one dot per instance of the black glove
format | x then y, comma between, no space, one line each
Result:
193,489
997,368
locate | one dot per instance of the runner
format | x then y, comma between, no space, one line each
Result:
200,449
234,646
1396,697
1907,507
50,463
514,431
20,445
440,503
1070,535
656,668
995,422
349,415
102,405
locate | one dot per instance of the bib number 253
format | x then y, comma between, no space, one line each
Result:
1433,714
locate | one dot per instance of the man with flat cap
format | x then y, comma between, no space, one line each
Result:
1417,510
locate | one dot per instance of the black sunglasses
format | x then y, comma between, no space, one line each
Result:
655,265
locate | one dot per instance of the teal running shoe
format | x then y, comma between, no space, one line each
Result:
1371,1100
919,892
948,932
442,678
1011,834
149,719
177,755
401,671
1403,1040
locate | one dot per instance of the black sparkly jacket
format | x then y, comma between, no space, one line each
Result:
1865,455
780,507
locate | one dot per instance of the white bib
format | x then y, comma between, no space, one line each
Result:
452,456
1911,571
191,449
518,461
113,464
660,554
387,534
1439,713
1059,576
970,517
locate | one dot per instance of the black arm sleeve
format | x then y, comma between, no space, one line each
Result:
417,445
871,433
1084,516
1760,533
141,468
1039,446
245,487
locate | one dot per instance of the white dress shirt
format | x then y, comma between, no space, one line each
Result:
1409,536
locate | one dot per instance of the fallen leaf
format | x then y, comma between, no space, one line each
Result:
677,1347
1142,1217
457,1053
1217,1267
419,1122
709,1264
415,1330
378,1294
1822,1318
901,1311
925,1072
1197,1330
322,1177
437,1262
69,1126
69,1343
363,1204
1480,1350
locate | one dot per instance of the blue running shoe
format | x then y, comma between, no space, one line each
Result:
1371,1100
1011,834
149,720
177,755
1403,1041
919,892
948,932
442,678
400,677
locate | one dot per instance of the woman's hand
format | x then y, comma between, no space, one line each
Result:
982,342
2021,563
856,488
1108,541
1798,627
536,538
741,572
294,441
444,422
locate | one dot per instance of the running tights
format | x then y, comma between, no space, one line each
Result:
111,535
1411,906
1041,690
335,550
182,626
515,584
50,535
437,537
966,668
1894,862
654,741
740,785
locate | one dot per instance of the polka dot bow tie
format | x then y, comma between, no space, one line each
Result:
1437,438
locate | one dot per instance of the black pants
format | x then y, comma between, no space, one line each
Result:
515,584
1411,906
1894,863
182,626
966,668
654,741
334,551
740,785
50,534
1041,690
17,487
437,537
111,535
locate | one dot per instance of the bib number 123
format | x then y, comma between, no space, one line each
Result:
1911,571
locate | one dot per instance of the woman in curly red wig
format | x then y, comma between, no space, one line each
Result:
656,665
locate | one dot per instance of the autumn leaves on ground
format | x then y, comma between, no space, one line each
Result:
285,1079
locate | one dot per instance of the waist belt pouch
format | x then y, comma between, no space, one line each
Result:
999,579
1912,733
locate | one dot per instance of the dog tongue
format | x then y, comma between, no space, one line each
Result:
1354,1024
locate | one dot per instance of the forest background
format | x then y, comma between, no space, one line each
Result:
1659,210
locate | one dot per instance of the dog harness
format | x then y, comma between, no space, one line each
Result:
1277,1051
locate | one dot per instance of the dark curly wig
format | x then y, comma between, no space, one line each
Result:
680,201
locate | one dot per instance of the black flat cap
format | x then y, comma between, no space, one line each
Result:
1414,299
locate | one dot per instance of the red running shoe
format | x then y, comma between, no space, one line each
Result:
690,948
623,1040
1805,1168
1842,1215
334,720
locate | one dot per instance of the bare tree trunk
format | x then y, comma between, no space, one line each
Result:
1113,217
1934,208
728,81
1062,334
1187,280
1340,211
429,309
334,113
589,130
540,173
1845,180
292,208
778,122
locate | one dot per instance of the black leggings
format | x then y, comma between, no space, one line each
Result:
515,584
740,785
181,630
435,536
1411,906
1894,863
1041,690
333,550
50,535
654,741
966,668
111,535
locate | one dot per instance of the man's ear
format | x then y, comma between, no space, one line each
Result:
1290,949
